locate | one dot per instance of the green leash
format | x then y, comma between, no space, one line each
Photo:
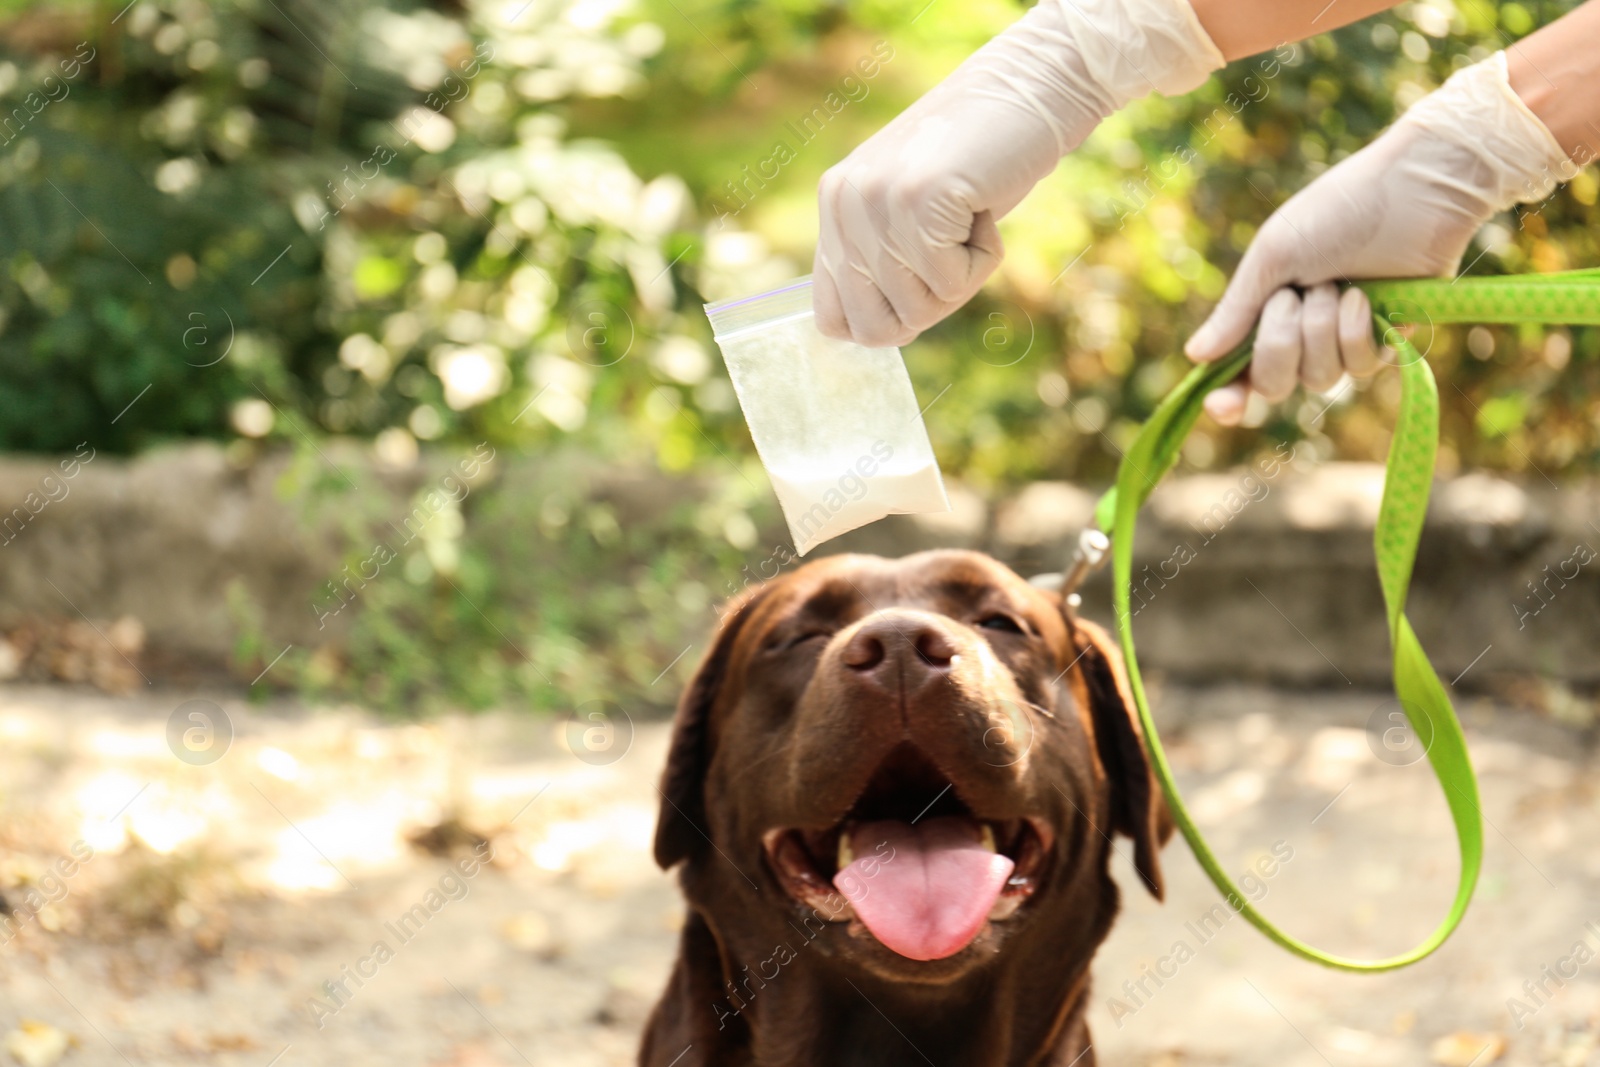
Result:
1571,298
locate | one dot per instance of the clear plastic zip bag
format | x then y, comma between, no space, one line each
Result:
836,425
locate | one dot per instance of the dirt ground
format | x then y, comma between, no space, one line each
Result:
199,909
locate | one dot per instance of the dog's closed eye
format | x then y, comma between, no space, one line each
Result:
1002,623
801,638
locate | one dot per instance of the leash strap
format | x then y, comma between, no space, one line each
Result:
1570,298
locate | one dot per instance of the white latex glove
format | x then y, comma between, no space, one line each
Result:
1405,206
907,230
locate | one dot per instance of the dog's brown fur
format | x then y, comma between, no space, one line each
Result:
777,730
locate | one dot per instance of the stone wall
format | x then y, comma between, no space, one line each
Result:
1244,576
1249,576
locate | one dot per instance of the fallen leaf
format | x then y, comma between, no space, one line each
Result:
471,1054
528,931
186,1039
36,1044
1466,1049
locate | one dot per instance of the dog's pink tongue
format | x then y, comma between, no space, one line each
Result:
924,890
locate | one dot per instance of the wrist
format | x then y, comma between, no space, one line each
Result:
1562,112
1479,111
1558,80
1070,63
1129,49
1241,30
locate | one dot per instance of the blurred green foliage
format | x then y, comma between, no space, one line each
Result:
424,217
542,587
1115,258
279,222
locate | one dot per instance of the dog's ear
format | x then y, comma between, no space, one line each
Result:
1137,807
681,823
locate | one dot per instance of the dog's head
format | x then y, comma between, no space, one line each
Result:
918,765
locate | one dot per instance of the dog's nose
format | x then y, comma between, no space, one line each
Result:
896,649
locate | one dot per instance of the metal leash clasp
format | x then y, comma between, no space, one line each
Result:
1094,548
1091,554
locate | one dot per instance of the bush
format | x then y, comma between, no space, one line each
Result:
468,224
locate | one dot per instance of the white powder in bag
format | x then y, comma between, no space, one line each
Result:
837,425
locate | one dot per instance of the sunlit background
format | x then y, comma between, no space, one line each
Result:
375,330
288,225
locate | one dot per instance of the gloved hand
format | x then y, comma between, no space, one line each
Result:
1407,205
907,229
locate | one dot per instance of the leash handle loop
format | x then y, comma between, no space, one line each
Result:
1570,298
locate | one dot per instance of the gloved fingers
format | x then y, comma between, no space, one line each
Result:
1262,272
886,282
1357,348
848,305
902,265
935,236
1275,367
869,317
1349,325
956,269
1226,405
920,218
915,306
925,268
825,305
1320,365
986,248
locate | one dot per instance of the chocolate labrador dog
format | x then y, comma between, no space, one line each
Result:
893,786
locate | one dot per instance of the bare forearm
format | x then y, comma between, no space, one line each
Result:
1556,72
1243,28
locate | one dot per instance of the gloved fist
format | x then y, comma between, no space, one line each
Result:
907,221
1405,206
